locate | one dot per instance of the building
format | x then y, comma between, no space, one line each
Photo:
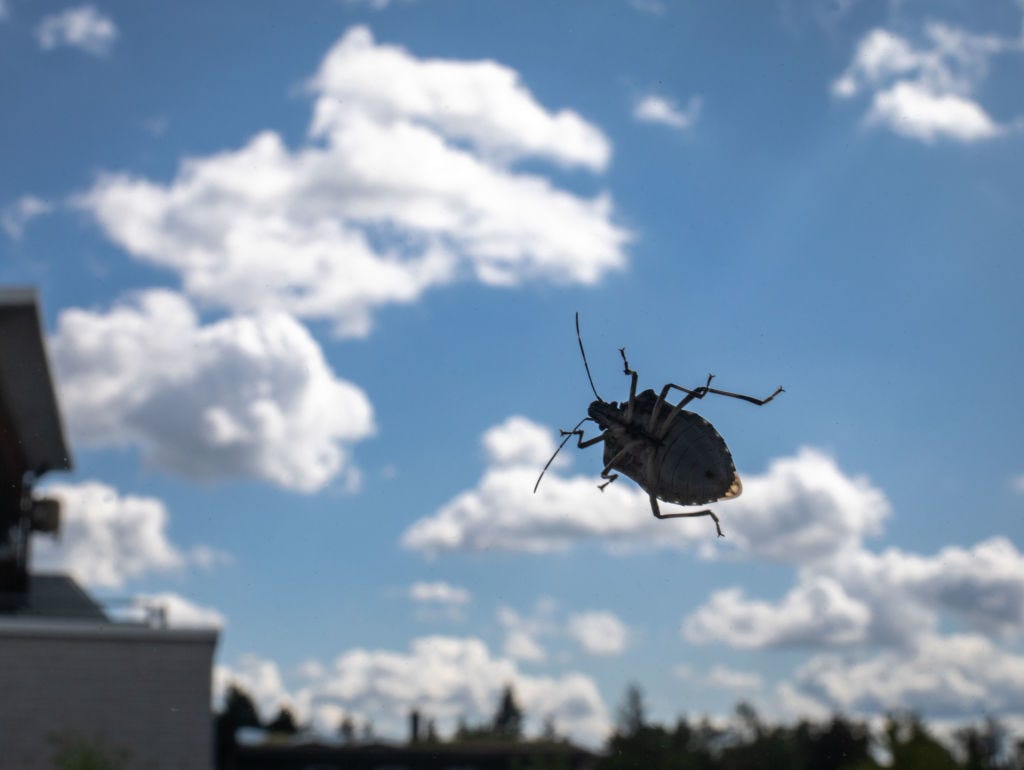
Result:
71,678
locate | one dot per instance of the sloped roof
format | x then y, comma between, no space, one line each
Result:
26,388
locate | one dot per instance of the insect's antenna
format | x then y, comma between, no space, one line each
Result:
585,364
547,465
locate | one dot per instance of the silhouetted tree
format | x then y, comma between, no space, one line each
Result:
632,713
913,748
283,723
549,732
239,708
839,745
983,747
239,711
347,730
508,719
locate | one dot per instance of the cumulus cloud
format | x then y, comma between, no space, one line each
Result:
248,396
926,91
733,679
801,509
942,676
406,182
599,632
438,600
523,633
107,538
82,27
445,678
890,599
15,218
816,612
662,110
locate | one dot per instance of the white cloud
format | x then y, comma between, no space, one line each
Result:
803,508
106,538
1017,483
925,92
438,592
16,217
889,599
445,678
5,11
954,675
482,102
405,184
520,441
244,396
662,110
599,632
913,111
982,586
524,632
82,27
815,612
733,679
520,644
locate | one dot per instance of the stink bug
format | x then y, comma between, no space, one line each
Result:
674,455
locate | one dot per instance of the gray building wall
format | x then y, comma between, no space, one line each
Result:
142,690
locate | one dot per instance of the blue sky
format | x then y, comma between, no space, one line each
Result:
309,276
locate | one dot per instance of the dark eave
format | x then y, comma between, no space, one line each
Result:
26,387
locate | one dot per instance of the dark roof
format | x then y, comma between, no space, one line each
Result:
57,597
26,388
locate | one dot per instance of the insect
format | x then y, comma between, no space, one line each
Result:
674,455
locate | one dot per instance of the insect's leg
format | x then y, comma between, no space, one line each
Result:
605,475
660,515
663,397
751,399
581,443
604,471
632,385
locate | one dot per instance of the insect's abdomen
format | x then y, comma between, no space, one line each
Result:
693,464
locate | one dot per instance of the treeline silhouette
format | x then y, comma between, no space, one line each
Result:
744,743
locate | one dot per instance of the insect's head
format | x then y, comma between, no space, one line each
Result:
604,413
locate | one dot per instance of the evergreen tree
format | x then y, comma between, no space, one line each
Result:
632,716
347,730
914,748
508,720
984,746
239,710
283,723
